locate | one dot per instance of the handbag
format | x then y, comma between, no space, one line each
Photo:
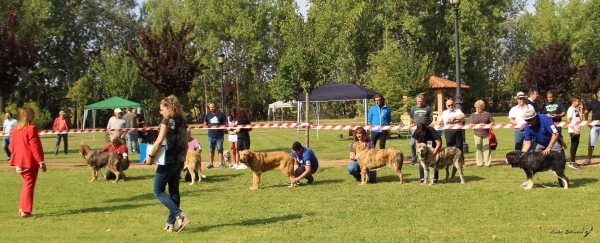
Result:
493,140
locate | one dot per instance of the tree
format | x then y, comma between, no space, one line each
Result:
588,79
168,61
17,54
551,68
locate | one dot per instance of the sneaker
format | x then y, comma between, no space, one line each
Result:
311,181
413,162
241,167
421,180
183,221
209,166
524,184
222,166
168,228
587,161
288,183
574,165
234,166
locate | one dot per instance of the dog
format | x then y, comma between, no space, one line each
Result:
444,159
259,162
370,159
227,158
535,162
193,160
97,160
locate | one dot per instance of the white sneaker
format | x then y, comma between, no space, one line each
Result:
234,166
241,167
524,184
587,162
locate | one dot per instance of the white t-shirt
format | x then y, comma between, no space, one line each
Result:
447,114
517,113
575,114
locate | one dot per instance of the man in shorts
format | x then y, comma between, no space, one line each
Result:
215,136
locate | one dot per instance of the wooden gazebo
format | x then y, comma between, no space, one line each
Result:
439,85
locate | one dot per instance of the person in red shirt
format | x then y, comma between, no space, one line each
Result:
120,148
61,123
27,156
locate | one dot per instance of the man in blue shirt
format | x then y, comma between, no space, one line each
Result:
215,136
8,125
541,128
306,163
379,115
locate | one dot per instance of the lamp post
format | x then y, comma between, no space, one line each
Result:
221,60
458,101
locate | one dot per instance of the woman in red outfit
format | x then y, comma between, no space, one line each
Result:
28,157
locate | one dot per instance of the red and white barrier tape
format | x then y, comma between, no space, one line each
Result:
321,127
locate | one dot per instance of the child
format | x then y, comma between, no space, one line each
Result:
574,115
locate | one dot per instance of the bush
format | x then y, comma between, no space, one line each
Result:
42,116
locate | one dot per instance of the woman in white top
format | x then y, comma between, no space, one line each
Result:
232,138
574,115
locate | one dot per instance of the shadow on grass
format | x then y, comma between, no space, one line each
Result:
107,208
579,182
139,177
252,222
218,178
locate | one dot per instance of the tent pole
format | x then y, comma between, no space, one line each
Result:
318,117
365,107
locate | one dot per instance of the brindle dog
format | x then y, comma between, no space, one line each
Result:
444,159
97,160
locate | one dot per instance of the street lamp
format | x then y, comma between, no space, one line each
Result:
458,102
221,60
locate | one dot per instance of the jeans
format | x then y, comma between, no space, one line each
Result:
422,173
301,169
132,138
594,132
413,149
65,144
168,174
111,176
519,137
212,142
5,144
354,170
381,136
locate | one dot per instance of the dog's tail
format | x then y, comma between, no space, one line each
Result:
562,143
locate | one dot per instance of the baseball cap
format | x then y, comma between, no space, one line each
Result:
530,113
118,110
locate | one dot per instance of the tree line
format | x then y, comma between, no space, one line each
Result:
62,55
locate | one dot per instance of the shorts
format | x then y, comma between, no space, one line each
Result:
232,138
212,142
243,144
594,132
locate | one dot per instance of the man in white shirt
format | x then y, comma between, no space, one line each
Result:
515,116
453,116
8,125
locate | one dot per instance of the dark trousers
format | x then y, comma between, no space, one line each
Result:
381,136
301,169
574,145
65,137
454,138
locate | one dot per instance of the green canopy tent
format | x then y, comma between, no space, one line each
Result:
112,103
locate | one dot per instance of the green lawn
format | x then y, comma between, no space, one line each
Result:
489,207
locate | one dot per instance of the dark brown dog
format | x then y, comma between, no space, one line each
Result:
444,159
262,162
97,160
370,159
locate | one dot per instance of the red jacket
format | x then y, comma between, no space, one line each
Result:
57,123
26,147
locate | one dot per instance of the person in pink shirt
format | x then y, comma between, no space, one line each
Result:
61,124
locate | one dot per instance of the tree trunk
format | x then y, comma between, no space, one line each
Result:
205,97
307,131
237,91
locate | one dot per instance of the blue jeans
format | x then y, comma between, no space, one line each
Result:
132,138
5,143
215,142
111,176
168,174
594,132
413,149
354,170
65,143
519,137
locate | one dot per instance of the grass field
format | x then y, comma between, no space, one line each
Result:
489,207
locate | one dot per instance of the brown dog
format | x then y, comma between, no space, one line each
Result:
227,158
444,159
192,163
262,162
97,160
370,159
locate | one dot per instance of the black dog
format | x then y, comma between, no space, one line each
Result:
535,162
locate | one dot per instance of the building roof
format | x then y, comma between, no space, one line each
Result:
436,82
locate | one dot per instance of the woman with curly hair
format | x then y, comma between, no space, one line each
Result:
360,136
172,133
